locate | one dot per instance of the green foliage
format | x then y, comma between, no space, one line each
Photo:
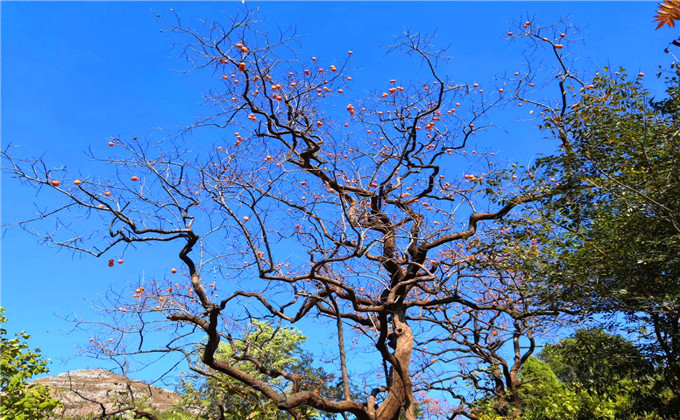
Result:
606,375
277,349
592,375
539,383
596,360
19,364
607,235
621,214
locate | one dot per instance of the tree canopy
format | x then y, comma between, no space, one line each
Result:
18,364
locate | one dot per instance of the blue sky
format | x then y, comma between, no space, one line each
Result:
74,74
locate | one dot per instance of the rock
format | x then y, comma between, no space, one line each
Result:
91,391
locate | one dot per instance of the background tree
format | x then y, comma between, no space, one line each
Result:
595,359
621,220
612,238
591,375
278,348
18,364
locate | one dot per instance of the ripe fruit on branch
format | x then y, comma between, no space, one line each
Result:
246,218
134,178
641,74
107,193
111,143
173,271
559,46
110,263
55,183
120,261
242,66
77,182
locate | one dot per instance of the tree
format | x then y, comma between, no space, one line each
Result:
620,219
613,368
591,375
277,348
613,243
595,359
357,218
21,400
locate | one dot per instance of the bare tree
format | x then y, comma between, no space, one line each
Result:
350,213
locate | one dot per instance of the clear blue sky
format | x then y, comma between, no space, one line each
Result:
76,73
